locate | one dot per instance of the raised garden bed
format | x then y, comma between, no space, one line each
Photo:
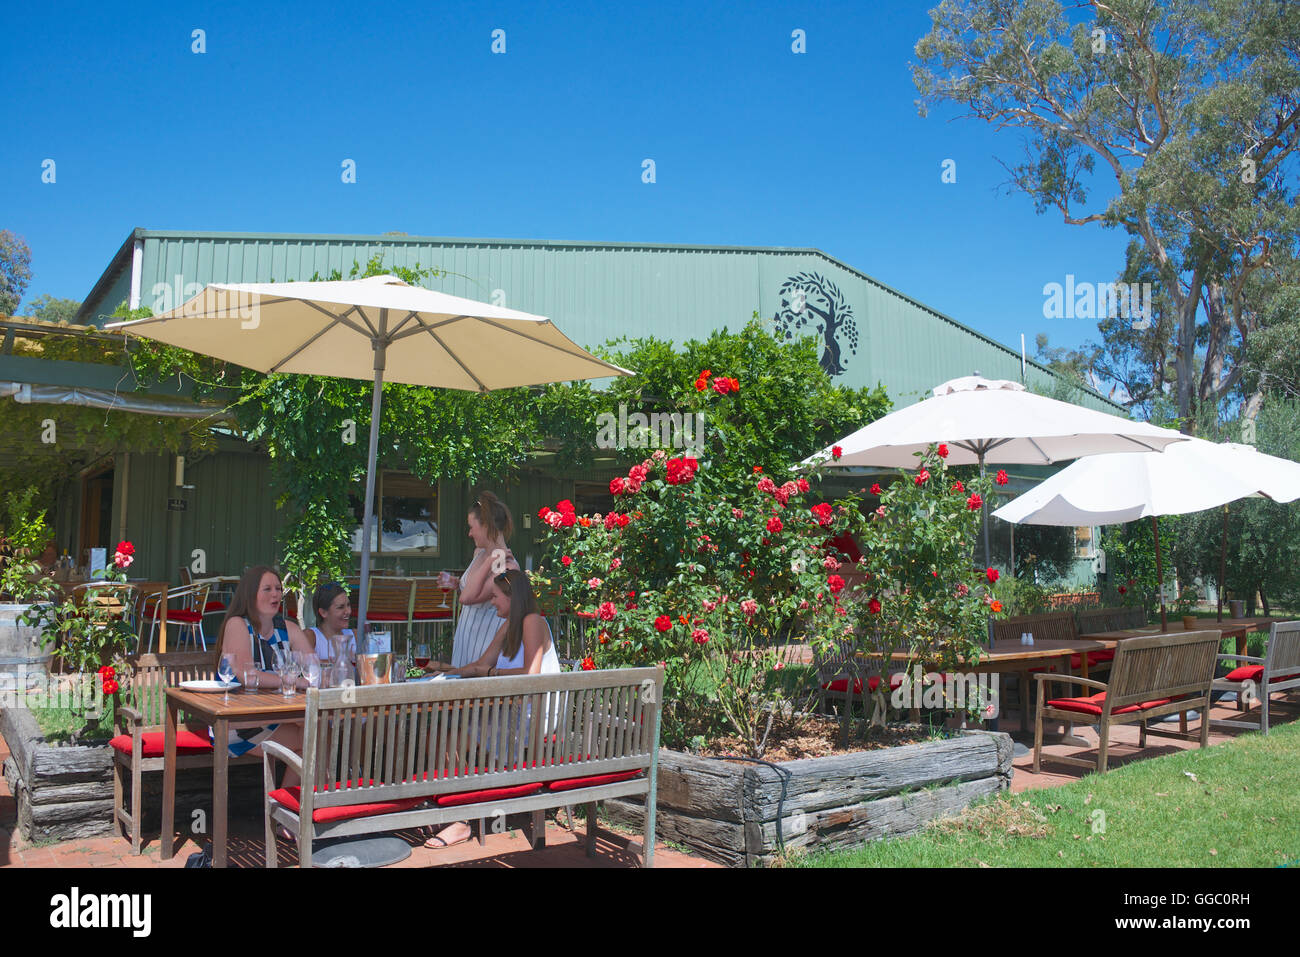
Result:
65,792
742,813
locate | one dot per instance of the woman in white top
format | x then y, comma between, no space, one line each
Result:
489,527
522,646
333,606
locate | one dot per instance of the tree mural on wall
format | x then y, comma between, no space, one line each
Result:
812,304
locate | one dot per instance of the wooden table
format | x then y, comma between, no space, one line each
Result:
1012,657
1230,627
246,708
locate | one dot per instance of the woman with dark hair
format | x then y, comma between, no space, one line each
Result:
489,528
522,645
333,606
256,634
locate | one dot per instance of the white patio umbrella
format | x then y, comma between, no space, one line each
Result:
994,421
1187,477
379,328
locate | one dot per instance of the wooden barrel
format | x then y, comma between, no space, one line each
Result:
20,645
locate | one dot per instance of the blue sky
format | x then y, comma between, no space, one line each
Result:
753,144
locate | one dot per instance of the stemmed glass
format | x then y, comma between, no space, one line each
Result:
226,672
309,665
421,655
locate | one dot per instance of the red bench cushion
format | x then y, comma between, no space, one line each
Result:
1254,673
213,606
439,615
152,743
291,798
841,685
185,616
385,615
592,780
487,794
1093,704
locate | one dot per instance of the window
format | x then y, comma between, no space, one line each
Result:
591,497
1084,546
406,511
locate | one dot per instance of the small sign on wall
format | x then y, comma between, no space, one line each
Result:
177,505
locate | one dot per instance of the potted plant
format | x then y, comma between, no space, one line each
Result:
1183,606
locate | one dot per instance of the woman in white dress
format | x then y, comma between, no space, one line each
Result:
489,528
333,607
522,645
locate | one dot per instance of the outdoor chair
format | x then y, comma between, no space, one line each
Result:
1093,620
184,610
139,718
1052,626
1150,678
391,602
1259,678
219,592
435,608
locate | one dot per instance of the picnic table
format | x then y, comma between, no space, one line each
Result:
245,709
1231,627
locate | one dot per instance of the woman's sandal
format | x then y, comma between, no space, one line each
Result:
438,842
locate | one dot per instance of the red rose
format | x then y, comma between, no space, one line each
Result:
106,672
835,583
606,611
991,575
774,525
616,486
823,513
943,451
757,469
1001,477
873,606
876,489
958,487
568,519
1122,590
700,636
543,512
721,385
126,548
564,507
802,485
735,385
110,686
765,484
566,561
663,623
623,520
705,374
836,452
699,385
588,664
974,502
923,477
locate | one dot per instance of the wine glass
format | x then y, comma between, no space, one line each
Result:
226,672
311,669
421,655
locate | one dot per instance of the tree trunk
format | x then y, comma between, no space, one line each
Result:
1264,601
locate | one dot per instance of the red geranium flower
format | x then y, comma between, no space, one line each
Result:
991,575
588,664
774,525
836,452
974,503
1001,477
663,623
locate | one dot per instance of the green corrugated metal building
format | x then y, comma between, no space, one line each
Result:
870,334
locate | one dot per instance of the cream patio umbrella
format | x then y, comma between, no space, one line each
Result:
993,421
1187,477
379,328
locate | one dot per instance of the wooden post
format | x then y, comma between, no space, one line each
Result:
1160,575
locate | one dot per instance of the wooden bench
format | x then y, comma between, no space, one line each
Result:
1149,678
1278,670
1092,620
139,717
1052,626
390,757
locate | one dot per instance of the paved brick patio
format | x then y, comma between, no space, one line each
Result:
564,848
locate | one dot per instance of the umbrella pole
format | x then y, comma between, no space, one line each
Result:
1160,574
372,456
984,519
1223,559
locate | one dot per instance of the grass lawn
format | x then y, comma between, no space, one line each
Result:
1242,809
58,724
